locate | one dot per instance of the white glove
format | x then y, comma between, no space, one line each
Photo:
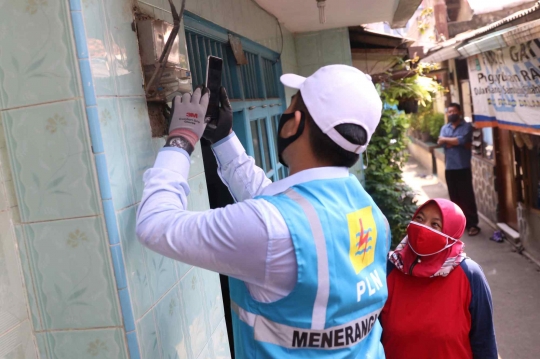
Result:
188,115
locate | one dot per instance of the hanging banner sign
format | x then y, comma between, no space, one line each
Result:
505,87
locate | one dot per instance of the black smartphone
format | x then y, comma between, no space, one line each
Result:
213,82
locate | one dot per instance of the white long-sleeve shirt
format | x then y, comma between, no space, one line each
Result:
248,240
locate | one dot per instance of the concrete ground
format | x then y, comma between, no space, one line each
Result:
514,280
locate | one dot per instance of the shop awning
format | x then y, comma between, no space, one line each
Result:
487,37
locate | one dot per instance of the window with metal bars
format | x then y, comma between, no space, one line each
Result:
254,88
269,72
199,48
250,80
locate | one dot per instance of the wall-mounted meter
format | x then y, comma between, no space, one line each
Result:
174,80
164,66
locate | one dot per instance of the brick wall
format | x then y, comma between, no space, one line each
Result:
484,188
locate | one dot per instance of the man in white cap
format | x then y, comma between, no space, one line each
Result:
307,254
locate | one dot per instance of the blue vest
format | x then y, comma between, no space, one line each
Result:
341,240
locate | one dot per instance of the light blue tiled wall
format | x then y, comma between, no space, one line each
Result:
321,48
64,303
16,339
74,143
177,310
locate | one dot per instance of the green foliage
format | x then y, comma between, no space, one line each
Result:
435,123
423,20
387,149
387,156
414,86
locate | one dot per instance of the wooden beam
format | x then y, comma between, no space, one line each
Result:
388,52
374,39
393,76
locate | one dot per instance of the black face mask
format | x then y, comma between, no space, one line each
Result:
453,118
282,143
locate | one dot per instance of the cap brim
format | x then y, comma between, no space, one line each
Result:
292,80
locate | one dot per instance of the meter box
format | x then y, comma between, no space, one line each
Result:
174,78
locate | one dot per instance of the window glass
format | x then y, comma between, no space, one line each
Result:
487,142
256,146
266,147
275,123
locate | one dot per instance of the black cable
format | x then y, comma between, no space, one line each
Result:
281,32
280,29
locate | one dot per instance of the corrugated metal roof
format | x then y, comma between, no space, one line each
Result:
435,56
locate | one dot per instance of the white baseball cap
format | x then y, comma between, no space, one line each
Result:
339,94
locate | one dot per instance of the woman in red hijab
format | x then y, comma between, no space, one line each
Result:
439,302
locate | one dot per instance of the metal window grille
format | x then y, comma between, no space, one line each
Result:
261,146
199,48
269,73
249,77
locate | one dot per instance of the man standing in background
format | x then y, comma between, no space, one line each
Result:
456,138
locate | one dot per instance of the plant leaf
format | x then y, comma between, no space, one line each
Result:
57,290
56,182
35,178
36,64
15,63
77,294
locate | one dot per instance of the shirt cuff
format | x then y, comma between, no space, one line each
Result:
174,159
228,149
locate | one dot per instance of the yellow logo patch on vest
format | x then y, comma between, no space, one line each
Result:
363,238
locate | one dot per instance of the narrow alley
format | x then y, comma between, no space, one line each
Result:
514,280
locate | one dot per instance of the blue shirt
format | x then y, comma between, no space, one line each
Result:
458,157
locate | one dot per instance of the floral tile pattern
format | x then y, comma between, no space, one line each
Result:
206,352
87,344
213,297
220,342
162,273
136,271
182,269
198,196
36,61
12,296
124,48
42,345
197,164
137,133
70,266
148,337
99,48
168,313
191,292
115,151
18,343
28,280
51,162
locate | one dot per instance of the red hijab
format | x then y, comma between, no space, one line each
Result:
440,264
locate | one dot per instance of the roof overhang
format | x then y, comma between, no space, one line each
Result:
303,15
376,61
496,35
364,36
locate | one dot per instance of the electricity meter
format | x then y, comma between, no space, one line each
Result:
173,78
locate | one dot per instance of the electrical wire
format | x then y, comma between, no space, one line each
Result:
279,25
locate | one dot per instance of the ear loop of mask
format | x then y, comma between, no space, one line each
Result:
365,165
436,231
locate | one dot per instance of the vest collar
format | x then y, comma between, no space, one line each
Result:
305,176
